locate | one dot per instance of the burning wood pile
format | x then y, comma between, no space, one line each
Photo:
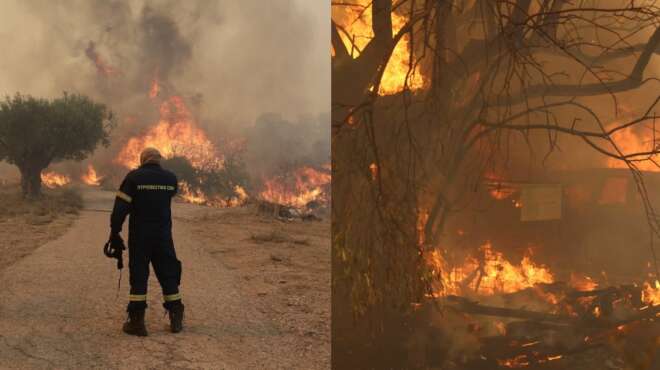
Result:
521,317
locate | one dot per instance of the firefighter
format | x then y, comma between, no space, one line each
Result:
146,194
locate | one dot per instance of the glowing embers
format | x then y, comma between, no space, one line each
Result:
54,180
488,273
298,187
355,18
522,361
651,293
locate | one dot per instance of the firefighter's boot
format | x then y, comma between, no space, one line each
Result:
135,324
176,317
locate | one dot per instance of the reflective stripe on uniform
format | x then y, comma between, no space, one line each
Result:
172,297
124,196
155,187
137,297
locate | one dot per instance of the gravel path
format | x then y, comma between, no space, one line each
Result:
60,308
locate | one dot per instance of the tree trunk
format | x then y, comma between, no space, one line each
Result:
30,181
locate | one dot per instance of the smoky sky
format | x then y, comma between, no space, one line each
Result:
239,59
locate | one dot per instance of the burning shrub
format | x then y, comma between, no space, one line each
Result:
182,167
211,183
303,187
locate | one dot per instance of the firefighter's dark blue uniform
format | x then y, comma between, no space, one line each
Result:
146,193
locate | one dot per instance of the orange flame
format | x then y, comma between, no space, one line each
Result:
54,180
198,197
497,187
307,185
176,134
488,274
516,362
500,193
355,18
628,141
651,293
191,195
91,177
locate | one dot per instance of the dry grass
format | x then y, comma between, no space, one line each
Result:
27,224
271,236
284,270
52,203
276,236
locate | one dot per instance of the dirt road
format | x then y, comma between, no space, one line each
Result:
59,308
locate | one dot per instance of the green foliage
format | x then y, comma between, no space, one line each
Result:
36,132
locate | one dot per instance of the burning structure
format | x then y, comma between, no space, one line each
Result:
492,167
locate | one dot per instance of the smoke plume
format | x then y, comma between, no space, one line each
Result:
232,61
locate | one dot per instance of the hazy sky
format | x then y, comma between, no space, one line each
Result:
239,58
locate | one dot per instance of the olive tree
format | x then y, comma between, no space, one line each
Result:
35,132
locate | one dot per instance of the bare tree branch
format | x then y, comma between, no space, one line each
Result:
634,80
340,49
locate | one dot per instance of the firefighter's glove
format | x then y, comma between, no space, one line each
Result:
114,248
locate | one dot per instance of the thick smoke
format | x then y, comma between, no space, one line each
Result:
277,145
232,62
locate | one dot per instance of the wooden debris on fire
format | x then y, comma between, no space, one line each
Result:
584,320
472,307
